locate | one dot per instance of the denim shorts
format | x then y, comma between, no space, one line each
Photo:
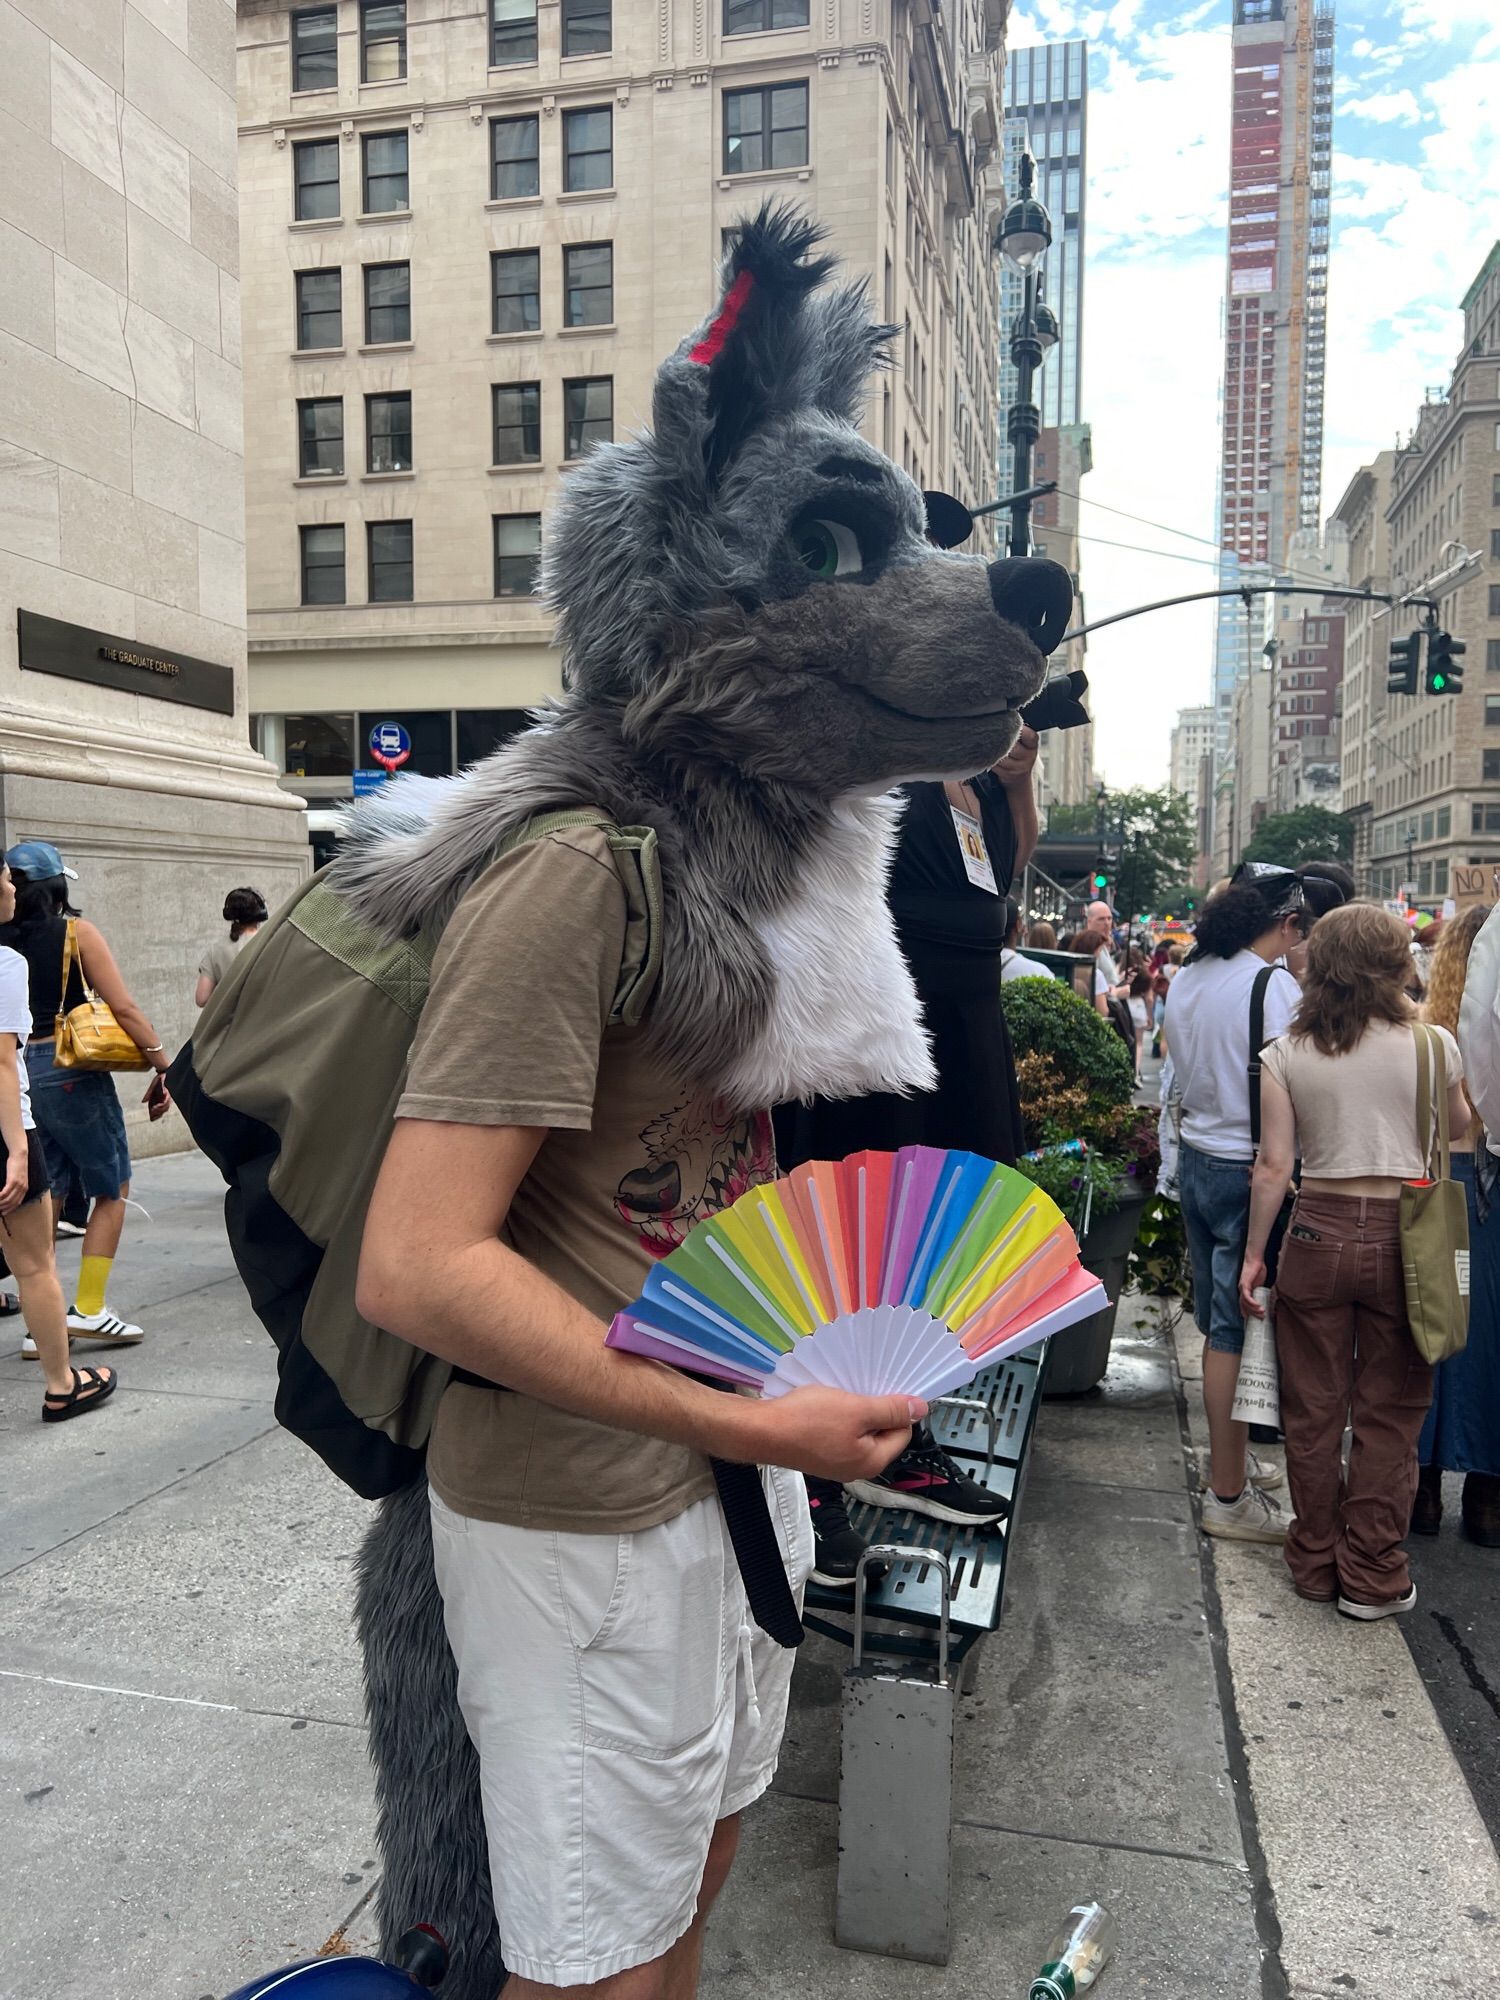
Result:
82,1127
1215,1197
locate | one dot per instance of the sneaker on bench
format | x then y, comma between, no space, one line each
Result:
925,1480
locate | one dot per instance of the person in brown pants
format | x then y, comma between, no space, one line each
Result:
1340,1089
1346,1353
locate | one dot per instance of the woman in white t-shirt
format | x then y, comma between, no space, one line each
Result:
25,1204
244,912
1244,929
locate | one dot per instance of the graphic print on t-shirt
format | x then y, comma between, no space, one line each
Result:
699,1159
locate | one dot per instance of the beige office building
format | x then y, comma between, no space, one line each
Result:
1367,633
470,234
1431,763
1064,453
123,736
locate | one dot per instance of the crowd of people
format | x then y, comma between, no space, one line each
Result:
1291,1090
62,1126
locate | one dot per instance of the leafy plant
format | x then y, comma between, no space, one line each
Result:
1087,1138
1307,833
1159,1261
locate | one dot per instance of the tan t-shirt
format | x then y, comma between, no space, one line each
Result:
1357,1113
516,1032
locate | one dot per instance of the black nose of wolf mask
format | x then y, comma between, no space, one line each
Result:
1035,594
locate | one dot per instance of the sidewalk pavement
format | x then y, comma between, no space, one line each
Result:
182,1753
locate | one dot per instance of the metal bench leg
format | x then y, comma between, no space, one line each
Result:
896,1797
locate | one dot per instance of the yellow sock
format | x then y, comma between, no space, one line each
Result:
93,1276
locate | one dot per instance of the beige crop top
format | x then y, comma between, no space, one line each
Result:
1357,1113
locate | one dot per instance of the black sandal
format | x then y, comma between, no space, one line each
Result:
90,1386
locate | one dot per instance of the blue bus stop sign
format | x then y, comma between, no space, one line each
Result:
388,740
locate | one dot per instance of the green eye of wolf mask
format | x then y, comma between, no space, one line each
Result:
828,549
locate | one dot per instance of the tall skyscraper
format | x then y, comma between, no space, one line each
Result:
1046,108
1271,463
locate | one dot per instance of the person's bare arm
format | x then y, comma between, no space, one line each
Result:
1268,1184
433,1271
1014,771
203,991
107,980
12,1131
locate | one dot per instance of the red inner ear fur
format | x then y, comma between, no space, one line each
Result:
707,350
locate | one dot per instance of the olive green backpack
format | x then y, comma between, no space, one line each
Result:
290,1086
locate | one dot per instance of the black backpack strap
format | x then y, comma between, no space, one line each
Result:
757,1551
1257,1043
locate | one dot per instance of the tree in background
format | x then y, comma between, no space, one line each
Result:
1152,844
1310,833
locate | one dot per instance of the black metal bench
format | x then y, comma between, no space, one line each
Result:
942,1594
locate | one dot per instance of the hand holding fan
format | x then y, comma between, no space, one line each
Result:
886,1273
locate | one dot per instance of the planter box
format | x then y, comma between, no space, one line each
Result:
1078,1357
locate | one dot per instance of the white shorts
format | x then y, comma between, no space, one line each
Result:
622,1702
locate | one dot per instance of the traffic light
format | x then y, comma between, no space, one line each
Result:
1100,876
1443,677
1405,658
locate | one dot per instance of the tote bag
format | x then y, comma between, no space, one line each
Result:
1435,1222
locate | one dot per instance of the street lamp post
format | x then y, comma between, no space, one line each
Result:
1024,236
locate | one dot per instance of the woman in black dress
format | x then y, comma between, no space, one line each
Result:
959,849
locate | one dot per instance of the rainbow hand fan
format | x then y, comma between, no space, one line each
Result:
887,1273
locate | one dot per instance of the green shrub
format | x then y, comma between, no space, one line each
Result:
1049,1019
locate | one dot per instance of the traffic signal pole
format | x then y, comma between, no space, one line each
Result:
1246,592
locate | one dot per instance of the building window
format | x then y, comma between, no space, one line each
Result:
387,186
319,746
765,128
320,313
388,433
755,17
588,284
1495,544
1492,766
1495,600
1492,711
387,303
518,552
588,150
588,414
1426,826
389,561
322,565
1492,656
518,423
481,731
315,169
512,32
585,27
516,289
1444,822
382,40
514,158
1495,489
315,49
320,435
1439,878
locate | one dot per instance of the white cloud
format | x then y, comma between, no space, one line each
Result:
1384,107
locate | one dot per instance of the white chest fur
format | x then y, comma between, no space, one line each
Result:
845,1019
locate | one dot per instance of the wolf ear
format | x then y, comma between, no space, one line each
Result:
771,348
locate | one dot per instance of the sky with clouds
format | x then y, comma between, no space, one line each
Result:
1415,211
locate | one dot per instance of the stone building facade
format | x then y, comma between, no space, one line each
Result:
1435,759
472,231
1367,630
1064,453
123,734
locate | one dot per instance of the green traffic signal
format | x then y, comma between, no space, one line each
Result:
1444,676
1101,881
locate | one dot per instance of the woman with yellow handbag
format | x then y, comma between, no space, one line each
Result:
85,1024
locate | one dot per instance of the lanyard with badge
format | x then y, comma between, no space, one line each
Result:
968,829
